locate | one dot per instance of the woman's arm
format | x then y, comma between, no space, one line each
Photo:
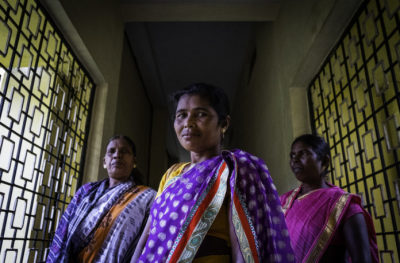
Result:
356,237
58,243
142,242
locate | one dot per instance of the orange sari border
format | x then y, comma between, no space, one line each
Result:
244,221
197,216
246,228
88,254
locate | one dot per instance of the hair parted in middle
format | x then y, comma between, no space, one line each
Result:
216,96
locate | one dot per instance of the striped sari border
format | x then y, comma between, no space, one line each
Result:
89,253
329,229
244,232
196,218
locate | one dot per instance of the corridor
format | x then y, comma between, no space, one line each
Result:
73,73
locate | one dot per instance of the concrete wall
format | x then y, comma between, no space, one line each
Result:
133,110
265,126
158,160
289,53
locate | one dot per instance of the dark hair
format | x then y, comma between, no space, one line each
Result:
216,96
127,139
317,143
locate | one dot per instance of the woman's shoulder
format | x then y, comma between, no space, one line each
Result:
244,157
176,166
174,170
171,173
146,188
87,187
335,193
146,193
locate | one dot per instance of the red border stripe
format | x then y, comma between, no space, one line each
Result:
246,227
197,216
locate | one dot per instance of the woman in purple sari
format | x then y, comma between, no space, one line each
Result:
220,207
105,219
326,224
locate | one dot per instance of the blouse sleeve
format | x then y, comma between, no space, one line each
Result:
162,183
172,172
354,208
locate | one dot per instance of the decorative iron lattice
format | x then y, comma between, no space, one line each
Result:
45,103
355,105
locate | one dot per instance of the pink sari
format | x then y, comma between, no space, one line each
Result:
314,219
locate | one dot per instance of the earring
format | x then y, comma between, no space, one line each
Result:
134,165
223,133
104,166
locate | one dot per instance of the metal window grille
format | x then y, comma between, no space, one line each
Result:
354,104
45,103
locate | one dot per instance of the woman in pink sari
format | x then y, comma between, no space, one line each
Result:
325,223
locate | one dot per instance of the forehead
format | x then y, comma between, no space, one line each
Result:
118,143
189,101
301,146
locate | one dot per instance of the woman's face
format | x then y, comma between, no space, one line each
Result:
119,160
196,125
305,164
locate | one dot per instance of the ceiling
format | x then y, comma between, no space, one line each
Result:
172,55
199,1
176,43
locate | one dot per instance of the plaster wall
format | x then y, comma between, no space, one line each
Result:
133,110
263,127
158,160
289,53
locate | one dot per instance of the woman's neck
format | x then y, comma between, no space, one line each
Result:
113,182
199,157
307,187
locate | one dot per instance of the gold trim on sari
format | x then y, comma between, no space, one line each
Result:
326,234
290,200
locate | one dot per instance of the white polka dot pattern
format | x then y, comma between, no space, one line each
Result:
175,207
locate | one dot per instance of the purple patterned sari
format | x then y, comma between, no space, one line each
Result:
182,215
85,215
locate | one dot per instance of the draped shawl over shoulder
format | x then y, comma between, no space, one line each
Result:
182,215
314,219
102,224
